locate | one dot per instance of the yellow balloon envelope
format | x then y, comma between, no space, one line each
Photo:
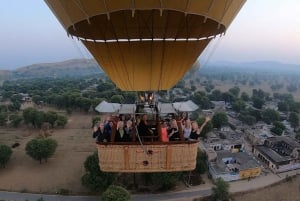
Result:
145,45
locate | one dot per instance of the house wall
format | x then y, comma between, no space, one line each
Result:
248,173
265,160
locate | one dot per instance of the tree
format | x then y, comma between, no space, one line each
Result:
5,154
15,120
117,99
219,119
283,106
234,91
220,192
3,118
278,128
61,121
201,166
216,95
51,117
269,116
29,115
238,105
94,179
258,102
116,193
294,119
41,148
165,180
245,96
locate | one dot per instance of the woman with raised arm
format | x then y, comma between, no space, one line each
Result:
195,133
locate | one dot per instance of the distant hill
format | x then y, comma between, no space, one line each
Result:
5,74
69,68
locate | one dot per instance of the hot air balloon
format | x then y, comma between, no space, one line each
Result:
146,45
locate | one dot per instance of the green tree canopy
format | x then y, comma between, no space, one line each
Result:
219,119
269,116
245,96
220,190
94,179
5,154
238,105
116,193
278,128
41,148
15,120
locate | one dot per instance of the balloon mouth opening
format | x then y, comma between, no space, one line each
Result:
180,26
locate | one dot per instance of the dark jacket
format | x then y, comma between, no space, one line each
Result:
124,138
175,136
101,136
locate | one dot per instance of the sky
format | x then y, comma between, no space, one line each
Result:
264,30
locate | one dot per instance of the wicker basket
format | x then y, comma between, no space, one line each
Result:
150,157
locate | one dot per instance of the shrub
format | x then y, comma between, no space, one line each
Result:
5,154
116,193
220,190
41,148
94,179
201,166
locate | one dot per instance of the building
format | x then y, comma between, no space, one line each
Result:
226,140
279,153
257,136
232,166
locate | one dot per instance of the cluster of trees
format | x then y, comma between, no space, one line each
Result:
36,118
39,149
64,93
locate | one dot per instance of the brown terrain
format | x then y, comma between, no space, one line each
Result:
64,170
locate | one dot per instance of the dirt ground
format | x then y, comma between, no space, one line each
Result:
63,170
284,191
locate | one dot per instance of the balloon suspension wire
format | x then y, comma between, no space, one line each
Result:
212,50
140,140
84,54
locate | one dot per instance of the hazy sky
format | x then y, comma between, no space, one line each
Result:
263,30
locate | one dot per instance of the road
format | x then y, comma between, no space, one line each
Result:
188,194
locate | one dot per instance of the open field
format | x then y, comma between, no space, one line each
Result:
63,170
286,190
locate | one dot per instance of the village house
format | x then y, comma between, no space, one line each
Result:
279,153
232,166
224,140
258,134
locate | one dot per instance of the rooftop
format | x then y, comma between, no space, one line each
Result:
228,162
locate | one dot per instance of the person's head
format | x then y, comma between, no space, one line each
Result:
122,117
101,125
173,123
111,123
129,124
120,125
144,117
195,125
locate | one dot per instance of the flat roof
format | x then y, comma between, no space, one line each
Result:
244,161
